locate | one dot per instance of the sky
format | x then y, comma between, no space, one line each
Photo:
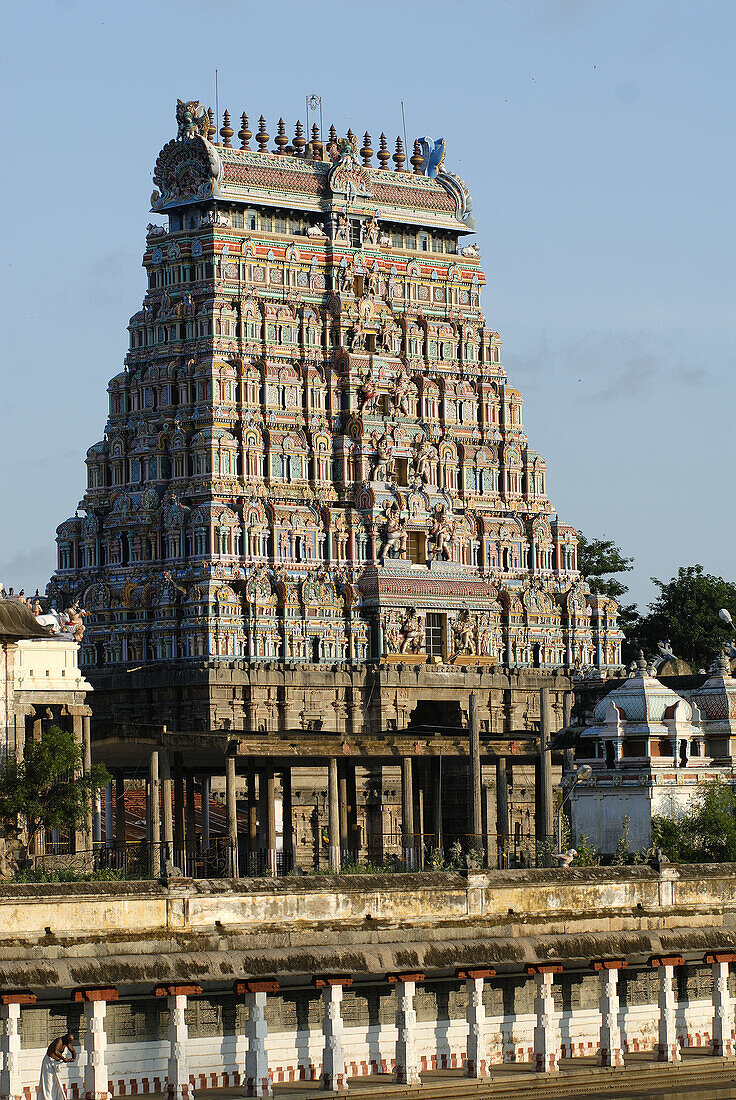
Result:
597,142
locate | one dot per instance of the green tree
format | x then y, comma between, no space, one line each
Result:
706,833
46,788
686,613
599,560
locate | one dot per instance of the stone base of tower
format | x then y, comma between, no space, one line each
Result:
316,766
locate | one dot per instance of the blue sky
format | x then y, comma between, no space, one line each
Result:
597,141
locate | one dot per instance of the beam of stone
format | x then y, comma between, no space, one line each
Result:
406,1062
546,1030
476,1061
232,811
333,812
610,1049
177,1080
723,1045
254,993
95,1040
667,1048
333,1077
11,1077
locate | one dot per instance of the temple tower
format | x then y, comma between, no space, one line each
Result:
313,454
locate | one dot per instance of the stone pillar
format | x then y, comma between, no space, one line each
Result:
11,1078
342,781
154,813
723,1043
179,859
108,816
119,811
544,825
475,812
406,1063
407,814
333,812
287,818
546,1031
611,1048
167,854
190,823
89,831
667,1049
205,815
252,816
333,1058
232,810
177,1080
476,1063
271,820
256,1077
95,1040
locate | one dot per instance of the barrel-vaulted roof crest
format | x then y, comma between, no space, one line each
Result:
347,176
188,168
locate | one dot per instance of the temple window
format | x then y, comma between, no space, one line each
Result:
434,634
200,541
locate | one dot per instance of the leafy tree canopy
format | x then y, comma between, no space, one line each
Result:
598,560
705,834
686,613
46,787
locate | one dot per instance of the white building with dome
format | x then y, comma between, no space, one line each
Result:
651,750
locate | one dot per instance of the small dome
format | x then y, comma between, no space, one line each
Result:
717,697
642,698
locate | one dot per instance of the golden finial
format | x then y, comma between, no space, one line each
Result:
299,141
366,152
333,134
226,130
318,149
281,139
417,160
383,154
244,133
399,157
262,136
212,130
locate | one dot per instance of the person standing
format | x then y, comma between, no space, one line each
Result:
50,1087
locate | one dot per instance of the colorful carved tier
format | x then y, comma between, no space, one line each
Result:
313,453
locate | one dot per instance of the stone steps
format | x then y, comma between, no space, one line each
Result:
699,1076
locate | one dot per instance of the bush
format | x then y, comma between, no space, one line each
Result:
706,833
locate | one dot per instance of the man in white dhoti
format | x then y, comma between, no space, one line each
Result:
50,1087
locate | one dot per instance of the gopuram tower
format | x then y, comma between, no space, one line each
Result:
314,469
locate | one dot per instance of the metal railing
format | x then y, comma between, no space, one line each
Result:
386,853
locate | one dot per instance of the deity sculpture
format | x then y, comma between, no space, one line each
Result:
394,533
373,281
74,616
441,532
341,233
345,279
421,461
356,336
383,463
371,230
367,393
412,633
463,630
401,390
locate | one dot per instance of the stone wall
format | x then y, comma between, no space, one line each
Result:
376,932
